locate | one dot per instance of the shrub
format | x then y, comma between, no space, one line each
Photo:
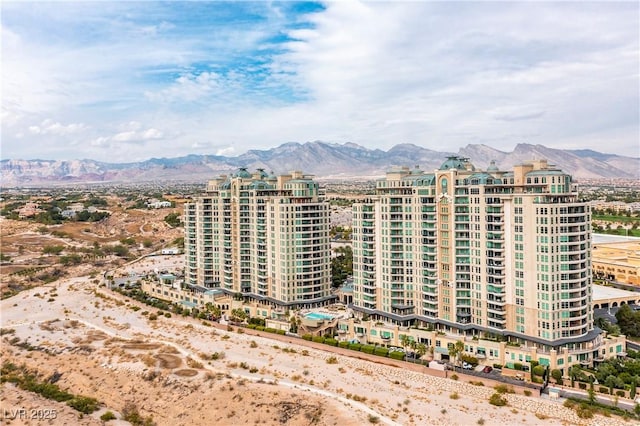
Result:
517,366
454,395
557,375
253,344
454,377
469,359
584,411
396,355
503,389
373,419
527,392
367,349
281,332
270,330
344,344
108,415
84,404
332,360
381,351
498,400
167,315
355,346
620,393
480,421
260,327
252,326
307,337
582,386
131,414
330,341
538,370
318,339
153,317
603,389
497,366
217,355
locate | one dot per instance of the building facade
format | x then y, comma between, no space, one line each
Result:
497,254
264,236
618,261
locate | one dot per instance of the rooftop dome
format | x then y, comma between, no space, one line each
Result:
492,166
243,173
454,162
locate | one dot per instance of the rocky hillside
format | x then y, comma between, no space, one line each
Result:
325,160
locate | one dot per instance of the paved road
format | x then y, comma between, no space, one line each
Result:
627,405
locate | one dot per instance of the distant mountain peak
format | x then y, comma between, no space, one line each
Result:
322,159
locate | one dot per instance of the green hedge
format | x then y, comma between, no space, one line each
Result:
367,349
318,339
251,326
396,355
307,337
259,327
381,351
270,330
331,341
344,345
355,346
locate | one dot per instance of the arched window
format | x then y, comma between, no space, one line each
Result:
444,185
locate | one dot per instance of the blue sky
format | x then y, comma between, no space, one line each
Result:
127,81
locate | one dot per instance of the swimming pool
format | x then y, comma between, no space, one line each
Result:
318,316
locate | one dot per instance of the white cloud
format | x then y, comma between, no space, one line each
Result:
50,127
128,137
228,151
438,74
188,87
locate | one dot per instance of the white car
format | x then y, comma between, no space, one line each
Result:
467,366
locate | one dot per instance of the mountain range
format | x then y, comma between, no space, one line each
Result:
324,160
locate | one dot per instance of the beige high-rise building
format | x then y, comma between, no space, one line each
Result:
501,254
264,236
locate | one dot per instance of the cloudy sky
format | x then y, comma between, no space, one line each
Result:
127,81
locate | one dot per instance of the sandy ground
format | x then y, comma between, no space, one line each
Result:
107,350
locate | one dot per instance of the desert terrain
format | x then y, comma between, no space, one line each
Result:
179,370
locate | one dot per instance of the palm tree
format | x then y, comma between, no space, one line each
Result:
413,345
213,310
456,350
405,341
421,349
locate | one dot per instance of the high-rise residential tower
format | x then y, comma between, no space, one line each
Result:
261,235
497,253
